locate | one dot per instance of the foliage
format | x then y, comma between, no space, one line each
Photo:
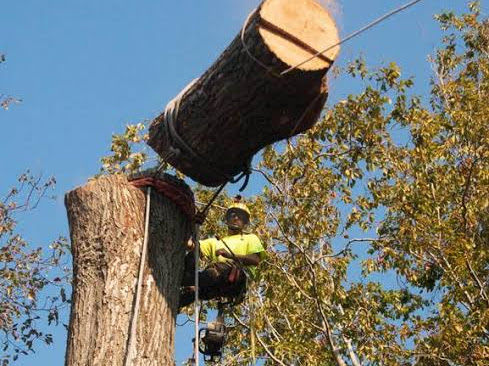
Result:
415,179
123,159
376,223
25,272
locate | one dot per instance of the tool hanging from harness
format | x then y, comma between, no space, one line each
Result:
212,338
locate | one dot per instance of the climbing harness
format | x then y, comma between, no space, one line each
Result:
235,273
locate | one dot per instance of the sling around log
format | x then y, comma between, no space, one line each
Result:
242,103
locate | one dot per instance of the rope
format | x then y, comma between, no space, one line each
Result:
319,53
135,312
243,31
353,35
196,241
228,248
315,55
170,116
196,301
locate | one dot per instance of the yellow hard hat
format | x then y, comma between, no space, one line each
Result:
236,205
240,206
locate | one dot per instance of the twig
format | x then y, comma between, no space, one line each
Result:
477,280
345,249
292,280
270,354
269,180
466,193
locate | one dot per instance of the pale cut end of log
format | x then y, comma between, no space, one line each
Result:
296,30
244,101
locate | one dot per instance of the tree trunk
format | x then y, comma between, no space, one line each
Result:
106,218
242,103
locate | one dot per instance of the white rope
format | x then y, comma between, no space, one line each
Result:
317,54
354,34
134,320
243,43
170,117
173,106
196,301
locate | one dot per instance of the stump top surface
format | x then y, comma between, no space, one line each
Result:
295,30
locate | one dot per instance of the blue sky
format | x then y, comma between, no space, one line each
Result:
84,69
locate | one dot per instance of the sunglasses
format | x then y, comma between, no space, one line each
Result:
242,215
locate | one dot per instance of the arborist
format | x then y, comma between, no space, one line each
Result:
232,258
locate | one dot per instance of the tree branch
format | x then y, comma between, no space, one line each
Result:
333,345
477,280
269,353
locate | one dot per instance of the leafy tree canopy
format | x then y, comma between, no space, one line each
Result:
388,181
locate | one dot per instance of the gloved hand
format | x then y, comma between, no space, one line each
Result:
224,253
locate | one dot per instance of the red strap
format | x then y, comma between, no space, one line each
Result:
233,275
174,193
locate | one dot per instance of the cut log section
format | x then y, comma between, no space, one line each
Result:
243,103
106,218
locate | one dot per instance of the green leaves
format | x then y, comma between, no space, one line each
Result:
376,221
26,272
416,174
123,159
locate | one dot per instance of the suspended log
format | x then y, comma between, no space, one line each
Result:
106,218
242,102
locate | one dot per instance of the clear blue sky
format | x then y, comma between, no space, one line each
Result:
84,69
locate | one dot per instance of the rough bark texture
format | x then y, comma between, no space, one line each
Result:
239,106
106,218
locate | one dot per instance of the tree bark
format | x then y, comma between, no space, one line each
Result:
242,103
106,218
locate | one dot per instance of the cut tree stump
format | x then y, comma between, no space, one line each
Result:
242,103
106,218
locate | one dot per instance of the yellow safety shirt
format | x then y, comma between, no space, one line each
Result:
240,244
